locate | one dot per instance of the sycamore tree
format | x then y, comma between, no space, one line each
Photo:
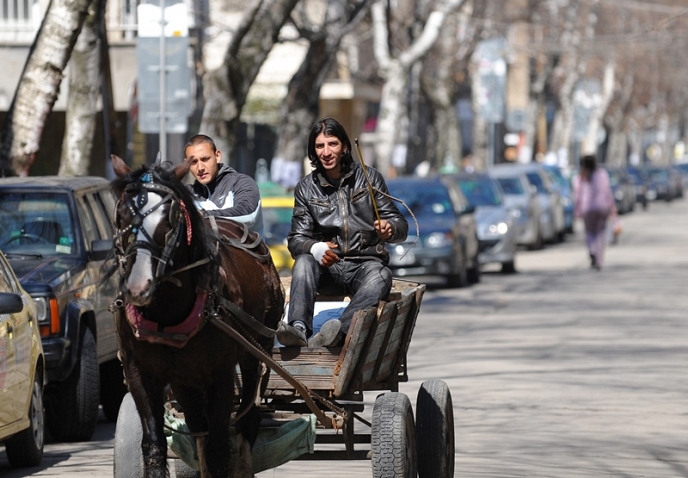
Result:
39,84
300,108
225,89
396,58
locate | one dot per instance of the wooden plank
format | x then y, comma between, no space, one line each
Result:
355,345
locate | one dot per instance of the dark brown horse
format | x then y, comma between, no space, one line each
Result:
177,271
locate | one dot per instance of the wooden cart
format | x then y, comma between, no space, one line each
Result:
330,382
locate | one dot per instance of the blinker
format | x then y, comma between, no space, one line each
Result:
142,198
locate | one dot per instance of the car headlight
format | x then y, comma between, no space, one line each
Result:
500,228
48,315
438,239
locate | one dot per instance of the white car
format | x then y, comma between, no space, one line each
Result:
22,366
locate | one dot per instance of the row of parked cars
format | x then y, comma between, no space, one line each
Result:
461,222
58,349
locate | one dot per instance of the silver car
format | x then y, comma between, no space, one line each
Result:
522,201
497,232
552,224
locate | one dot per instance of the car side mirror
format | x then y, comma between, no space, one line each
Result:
100,249
10,303
467,209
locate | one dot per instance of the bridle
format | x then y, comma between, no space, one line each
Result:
178,218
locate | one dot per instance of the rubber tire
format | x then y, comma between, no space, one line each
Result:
74,412
508,267
435,430
112,388
26,447
474,272
182,470
128,457
393,440
458,279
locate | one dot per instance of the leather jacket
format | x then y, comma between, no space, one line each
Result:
344,214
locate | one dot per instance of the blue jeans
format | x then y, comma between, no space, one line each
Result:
367,281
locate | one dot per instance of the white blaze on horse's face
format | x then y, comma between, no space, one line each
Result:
139,283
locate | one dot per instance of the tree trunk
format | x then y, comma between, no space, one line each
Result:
300,108
226,89
84,88
39,84
395,71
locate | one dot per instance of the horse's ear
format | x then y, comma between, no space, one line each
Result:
120,167
182,169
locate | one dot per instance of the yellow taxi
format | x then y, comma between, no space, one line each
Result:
277,212
22,418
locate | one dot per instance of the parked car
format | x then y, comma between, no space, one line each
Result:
565,190
446,242
552,224
682,168
57,233
623,189
660,186
22,371
520,197
639,178
676,177
496,226
277,212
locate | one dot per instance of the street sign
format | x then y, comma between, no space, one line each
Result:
174,65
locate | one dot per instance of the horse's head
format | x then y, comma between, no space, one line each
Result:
152,219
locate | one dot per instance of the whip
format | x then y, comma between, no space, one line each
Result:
365,173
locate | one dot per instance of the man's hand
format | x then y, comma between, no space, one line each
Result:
323,253
330,258
384,229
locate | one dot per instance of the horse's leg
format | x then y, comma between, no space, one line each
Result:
194,404
149,401
248,425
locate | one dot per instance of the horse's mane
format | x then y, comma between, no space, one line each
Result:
203,242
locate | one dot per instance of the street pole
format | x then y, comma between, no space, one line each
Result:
163,78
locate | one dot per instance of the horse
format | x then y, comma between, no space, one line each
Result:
178,270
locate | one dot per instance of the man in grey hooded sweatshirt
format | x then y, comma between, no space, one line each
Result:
221,190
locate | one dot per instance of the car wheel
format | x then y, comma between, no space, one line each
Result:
112,388
26,447
474,272
73,412
508,267
459,278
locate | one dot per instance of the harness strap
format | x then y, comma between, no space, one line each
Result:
245,318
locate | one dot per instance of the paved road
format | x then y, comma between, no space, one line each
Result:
556,371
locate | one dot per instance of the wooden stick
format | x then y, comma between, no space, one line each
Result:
365,173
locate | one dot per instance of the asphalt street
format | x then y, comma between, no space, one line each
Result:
555,371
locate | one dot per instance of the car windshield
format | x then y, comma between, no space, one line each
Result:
536,180
424,199
36,223
277,223
480,192
511,186
659,174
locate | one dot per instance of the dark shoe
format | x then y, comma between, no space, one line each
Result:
290,336
329,334
593,261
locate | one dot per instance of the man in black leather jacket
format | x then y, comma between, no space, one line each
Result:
336,239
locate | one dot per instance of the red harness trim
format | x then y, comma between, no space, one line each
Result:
176,335
187,220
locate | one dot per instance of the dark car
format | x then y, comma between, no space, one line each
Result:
57,233
623,189
447,243
638,176
497,231
660,185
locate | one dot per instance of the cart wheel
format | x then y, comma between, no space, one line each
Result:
128,457
435,430
393,441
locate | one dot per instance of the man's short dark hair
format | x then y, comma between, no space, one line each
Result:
329,127
200,139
